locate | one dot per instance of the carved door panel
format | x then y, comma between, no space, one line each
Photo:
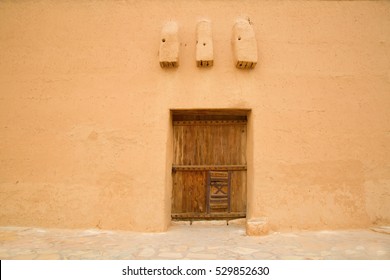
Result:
218,192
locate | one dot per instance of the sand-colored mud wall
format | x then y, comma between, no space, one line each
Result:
85,128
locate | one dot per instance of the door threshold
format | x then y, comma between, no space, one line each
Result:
208,217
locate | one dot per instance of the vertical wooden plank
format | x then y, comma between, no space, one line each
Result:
238,191
229,188
243,140
208,193
189,192
175,144
198,197
177,191
178,145
237,144
224,139
233,144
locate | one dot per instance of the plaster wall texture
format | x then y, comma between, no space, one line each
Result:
85,126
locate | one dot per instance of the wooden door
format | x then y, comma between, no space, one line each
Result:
209,167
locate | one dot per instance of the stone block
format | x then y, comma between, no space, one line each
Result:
204,44
169,45
381,229
258,226
244,45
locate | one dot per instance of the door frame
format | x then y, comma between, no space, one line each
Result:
174,113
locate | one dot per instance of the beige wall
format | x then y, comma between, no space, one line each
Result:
85,134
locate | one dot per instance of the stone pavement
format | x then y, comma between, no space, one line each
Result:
198,241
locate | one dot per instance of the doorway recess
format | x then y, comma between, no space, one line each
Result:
209,164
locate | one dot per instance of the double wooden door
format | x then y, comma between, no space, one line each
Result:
209,168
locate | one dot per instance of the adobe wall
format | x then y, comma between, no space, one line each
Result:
85,128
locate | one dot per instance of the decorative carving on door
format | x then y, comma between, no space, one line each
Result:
218,191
